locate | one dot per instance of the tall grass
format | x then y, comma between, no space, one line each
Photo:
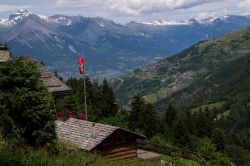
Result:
26,156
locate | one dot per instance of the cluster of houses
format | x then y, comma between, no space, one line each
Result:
113,143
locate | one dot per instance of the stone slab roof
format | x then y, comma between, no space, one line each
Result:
4,55
54,85
84,134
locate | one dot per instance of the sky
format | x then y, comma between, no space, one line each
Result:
124,11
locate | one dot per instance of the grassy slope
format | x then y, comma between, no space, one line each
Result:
30,157
217,105
163,80
179,161
230,82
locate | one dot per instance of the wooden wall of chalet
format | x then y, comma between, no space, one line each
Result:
119,146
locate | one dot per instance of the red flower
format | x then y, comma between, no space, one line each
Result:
58,115
81,116
69,114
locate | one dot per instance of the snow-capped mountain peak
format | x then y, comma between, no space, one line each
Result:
17,17
205,21
165,22
61,19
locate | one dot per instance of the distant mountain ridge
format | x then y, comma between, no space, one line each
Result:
208,20
110,48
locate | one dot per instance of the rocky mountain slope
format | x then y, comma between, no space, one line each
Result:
110,48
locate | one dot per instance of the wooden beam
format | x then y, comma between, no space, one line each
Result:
132,155
133,151
116,150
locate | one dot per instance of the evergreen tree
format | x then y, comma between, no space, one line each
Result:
101,101
180,132
204,124
28,106
170,115
218,138
147,120
137,106
109,105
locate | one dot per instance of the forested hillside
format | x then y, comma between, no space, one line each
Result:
202,98
200,66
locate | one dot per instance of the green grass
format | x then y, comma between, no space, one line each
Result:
226,114
31,157
26,156
217,105
178,161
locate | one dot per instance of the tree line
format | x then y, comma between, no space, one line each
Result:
27,116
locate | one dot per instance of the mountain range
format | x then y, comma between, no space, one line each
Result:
110,48
208,72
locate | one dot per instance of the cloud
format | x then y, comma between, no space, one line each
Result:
5,8
205,15
208,14
137,7
244,3
79,2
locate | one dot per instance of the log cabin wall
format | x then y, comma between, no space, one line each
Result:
120,146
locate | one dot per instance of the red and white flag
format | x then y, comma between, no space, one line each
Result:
81,61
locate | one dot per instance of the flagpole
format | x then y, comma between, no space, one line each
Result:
81,62
85,98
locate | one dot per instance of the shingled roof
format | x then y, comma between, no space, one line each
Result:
4,54
54,85
86,135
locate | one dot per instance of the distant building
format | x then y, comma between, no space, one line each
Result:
112,142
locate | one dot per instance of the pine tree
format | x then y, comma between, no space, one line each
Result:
147,120
109,106
170,115
180,133
137,106
218,138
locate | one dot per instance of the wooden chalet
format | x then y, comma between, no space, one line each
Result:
57,87
54,85
112,142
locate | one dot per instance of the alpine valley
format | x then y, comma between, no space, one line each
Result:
110,48
210,73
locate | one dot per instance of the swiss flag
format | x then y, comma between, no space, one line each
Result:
81,63
81,60
81,69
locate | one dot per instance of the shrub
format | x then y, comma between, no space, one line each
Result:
28,109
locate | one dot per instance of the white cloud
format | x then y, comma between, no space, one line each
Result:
205,15
153,6
208,14
244,3
137,7
5,8
79,2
